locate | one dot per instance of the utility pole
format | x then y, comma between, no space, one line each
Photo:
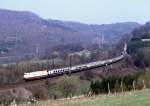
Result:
125,48
99,45
70,60
70,63
101,41
37,51
53,63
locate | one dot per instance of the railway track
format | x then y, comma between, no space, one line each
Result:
10,86
7,87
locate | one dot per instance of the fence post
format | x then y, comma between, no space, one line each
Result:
109,89
133,85
144,86
122,86
115,92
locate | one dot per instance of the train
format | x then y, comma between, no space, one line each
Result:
78,68
68,70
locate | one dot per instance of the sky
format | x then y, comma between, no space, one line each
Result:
85,11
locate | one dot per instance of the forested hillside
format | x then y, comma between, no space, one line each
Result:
24,34
140,51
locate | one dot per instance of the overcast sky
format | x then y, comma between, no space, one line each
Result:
86,11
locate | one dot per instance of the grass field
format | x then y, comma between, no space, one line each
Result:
138,98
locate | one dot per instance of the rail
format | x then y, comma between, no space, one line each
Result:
73,69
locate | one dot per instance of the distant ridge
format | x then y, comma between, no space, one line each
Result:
21,32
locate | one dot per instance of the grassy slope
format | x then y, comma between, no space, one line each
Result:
140,98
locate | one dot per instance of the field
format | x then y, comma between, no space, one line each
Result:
137,98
